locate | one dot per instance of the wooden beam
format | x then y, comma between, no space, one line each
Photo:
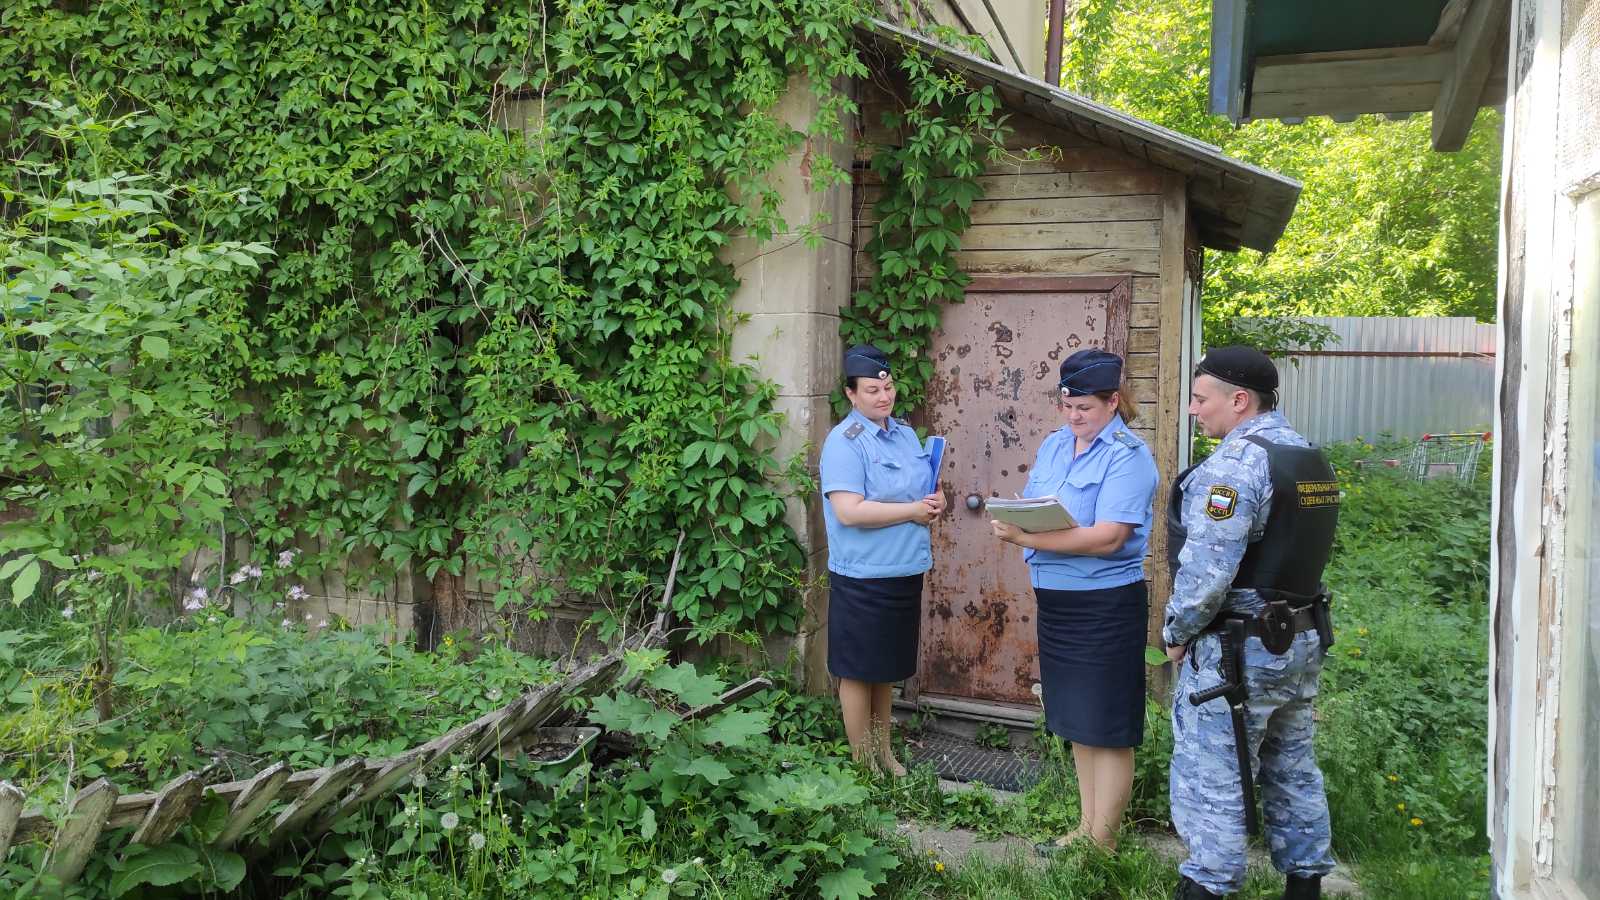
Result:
1482,29
1170,382
170,810
11,798
74,840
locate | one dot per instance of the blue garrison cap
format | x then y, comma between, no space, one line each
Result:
1090,372
865,360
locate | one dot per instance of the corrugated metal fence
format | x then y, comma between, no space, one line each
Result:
1401,376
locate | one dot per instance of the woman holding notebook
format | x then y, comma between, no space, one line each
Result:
1089,580
875,478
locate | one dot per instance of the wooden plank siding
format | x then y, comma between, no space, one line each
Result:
1079,208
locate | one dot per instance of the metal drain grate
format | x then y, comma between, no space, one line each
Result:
959,760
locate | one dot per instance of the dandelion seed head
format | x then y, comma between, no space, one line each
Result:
449,821
669,875
67,613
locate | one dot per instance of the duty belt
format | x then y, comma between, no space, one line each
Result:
1278,623
1303,618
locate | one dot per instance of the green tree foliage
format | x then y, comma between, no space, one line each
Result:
495,325
1385,227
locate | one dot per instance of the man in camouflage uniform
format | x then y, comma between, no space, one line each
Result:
1219,509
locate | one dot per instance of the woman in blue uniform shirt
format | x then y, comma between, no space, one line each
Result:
877,511
1089,580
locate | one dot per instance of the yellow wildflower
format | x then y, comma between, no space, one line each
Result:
1393,777
938,867
1355,651
1362,632
1400,806
1416,822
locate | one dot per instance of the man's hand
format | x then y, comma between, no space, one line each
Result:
1176,653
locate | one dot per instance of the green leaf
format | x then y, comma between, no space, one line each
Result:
626,712
735,727
1154,657
155,346
158,866
845,884
708,768
689,686
22,586
227,869
647,823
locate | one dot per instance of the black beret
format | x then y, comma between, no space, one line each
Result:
1246,367
1090,372
865,360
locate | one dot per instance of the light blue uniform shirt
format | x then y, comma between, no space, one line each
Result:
884,464
1112,481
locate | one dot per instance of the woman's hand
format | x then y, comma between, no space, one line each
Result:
1006,531
926,510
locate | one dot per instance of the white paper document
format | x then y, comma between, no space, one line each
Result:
1033,515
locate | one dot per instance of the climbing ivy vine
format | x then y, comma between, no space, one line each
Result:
493,333
930,180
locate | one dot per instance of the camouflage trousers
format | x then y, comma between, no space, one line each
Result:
1207,806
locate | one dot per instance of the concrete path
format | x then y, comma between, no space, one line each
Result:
952,846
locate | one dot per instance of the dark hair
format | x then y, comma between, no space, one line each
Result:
1127,407
850,380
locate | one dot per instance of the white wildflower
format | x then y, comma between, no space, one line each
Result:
449,821
699,860
308,617
285,623
93,575
322,623
286,558
66,613
254,571
669,875
297,593
240,576
211,620
477,840
418,779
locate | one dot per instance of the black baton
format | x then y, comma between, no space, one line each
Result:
1233,690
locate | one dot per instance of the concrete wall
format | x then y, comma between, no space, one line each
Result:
791,288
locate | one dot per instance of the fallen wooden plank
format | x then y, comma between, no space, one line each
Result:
75,839
324,791
11,798
728,698
390,776
250,801
171,809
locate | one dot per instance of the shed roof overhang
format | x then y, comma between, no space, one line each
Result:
1289,59
1233,203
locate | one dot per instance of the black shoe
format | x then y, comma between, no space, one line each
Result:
1303,887
1188,890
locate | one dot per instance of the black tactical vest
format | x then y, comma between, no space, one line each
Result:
1298,537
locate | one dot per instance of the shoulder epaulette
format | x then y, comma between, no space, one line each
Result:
1125,439
853,431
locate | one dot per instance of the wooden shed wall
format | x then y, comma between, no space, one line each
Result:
1080,209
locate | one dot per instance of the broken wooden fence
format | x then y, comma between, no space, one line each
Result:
316,798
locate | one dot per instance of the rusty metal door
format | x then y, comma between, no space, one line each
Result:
996,363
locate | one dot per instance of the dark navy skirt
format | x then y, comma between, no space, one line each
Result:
1091,663
874,627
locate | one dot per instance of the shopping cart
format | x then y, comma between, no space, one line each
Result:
1447,455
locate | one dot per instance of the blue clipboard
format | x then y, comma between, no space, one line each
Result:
935,460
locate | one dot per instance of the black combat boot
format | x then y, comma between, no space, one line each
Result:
1188,890
1303,887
